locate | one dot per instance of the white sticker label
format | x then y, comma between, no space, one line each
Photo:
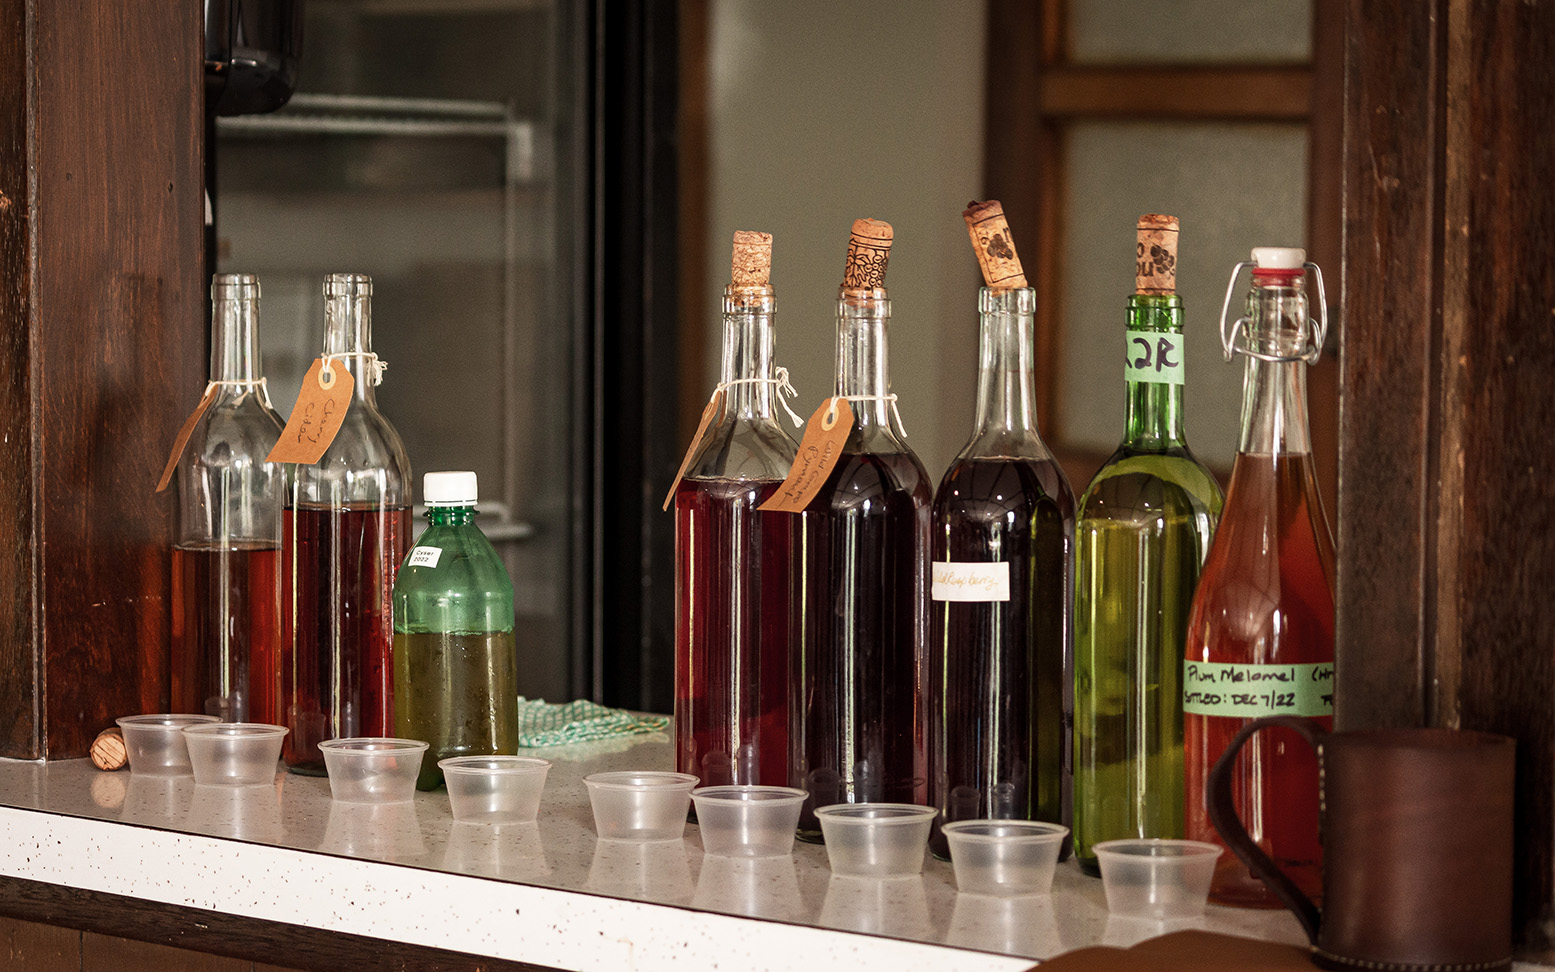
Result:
971,582
424,557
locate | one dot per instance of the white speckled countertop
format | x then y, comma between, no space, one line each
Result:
549,893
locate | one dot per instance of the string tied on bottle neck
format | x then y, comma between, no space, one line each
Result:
895,412
784,386
370,360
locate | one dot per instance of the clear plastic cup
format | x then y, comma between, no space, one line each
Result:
747,821
1004,857
495,789
875,839
372,769
155,745
1154,878
234,753
640,805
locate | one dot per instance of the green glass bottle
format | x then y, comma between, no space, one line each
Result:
455,662
1142,533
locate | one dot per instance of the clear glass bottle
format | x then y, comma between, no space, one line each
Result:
455,659
858,718
732,560
1002,575
347,528
1261,630
1143,530
226,617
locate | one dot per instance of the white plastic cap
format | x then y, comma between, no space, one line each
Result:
448,489
1279,257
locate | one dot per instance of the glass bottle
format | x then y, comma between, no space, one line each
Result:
347,527
1144,528
455,660
1261,631
226,617
858,719
1003,538
732,561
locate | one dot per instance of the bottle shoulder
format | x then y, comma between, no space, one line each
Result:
865,481
1134,482
982,487
457,560
739,448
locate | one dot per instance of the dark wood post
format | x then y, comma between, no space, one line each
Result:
101,353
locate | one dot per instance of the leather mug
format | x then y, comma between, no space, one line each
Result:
1416,826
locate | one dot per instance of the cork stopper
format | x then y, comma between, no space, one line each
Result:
751,265
869,248
1156,269
108,750
996,255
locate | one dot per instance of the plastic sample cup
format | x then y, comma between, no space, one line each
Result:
632,805
1156,878
234,753
748,821
875,839
372,769
495,789
1004,857
154,744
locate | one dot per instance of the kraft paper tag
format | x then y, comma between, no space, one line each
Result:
819,451
714,406
315,419
182,442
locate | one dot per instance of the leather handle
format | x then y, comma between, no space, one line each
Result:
1222,813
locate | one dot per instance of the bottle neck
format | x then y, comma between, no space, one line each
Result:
1153,373
1274,393
749,343
348,331
451,515
235,330
862,316
1006,392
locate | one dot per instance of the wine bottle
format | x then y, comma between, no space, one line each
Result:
1003,540
1143,530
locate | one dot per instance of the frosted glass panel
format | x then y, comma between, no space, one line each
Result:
1190,31
1233,187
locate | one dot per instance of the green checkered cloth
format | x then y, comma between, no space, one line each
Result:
542,724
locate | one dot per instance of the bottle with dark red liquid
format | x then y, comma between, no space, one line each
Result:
347,528
860,730
732,561
1002,577
226,618
1261,629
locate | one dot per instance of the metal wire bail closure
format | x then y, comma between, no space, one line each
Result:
1316,337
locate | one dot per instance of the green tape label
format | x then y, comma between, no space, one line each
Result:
1255,691
1153,356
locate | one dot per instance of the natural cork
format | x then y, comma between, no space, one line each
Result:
108,750
751,265
996,255
1156,268
869,249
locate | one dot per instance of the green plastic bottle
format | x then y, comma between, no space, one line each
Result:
455,661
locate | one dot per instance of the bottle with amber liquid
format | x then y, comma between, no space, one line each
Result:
1003,541
346,531
733,560
860,730
1261,630
1144,528
226,617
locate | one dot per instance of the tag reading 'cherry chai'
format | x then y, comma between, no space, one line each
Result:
819,451
315,419
180,443
714,406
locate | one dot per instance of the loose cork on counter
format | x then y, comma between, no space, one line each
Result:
108,750
1156,267
869,250
990,233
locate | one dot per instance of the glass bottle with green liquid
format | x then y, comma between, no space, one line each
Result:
455,661
1143,530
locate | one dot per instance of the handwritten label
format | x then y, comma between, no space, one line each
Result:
970,582
714,406
819,451
182,442
315,419
424,557
1153,356
1255,691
